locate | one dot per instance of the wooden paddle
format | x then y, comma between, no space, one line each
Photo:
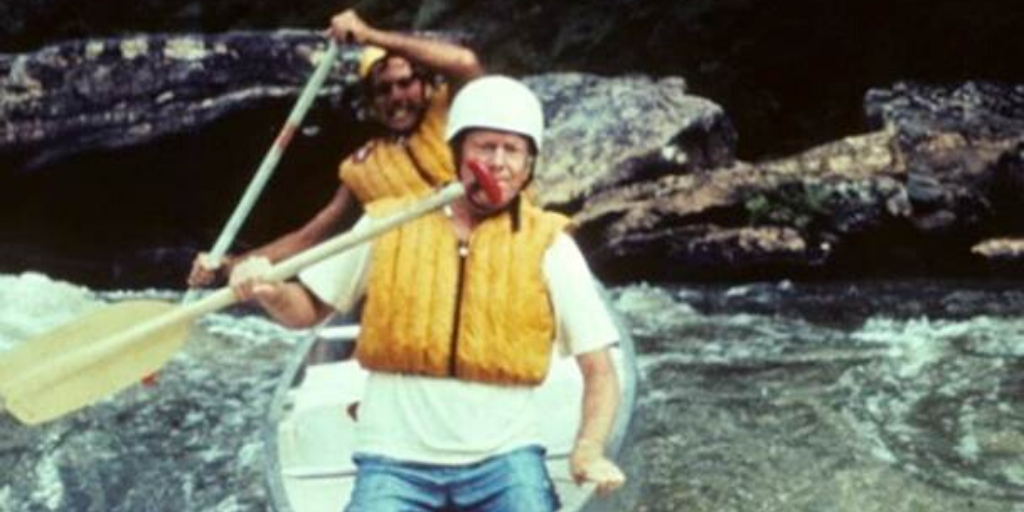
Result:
272,157
266,168
95,356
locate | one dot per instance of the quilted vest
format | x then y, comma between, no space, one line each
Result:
483,316
413,165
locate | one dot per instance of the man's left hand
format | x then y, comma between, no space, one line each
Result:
588,464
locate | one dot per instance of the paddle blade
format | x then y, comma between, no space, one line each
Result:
99,354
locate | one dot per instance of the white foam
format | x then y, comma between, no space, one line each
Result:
914,344
49,490
252,329
641,298
32,303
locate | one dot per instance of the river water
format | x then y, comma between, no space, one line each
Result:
900,395
859,396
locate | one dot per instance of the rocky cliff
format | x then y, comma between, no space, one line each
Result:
122,157
791,73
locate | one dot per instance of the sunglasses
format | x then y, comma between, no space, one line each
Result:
385,88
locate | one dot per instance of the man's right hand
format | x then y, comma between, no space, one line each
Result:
207,271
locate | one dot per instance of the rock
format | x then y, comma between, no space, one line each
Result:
941,172
610,131
959,142
976,110
1001,249
844,189
648,171
1008,189
924,190
105,94
790,73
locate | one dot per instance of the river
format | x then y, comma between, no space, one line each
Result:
886,395
846,396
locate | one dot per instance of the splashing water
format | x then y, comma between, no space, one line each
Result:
32,303
884,396
869,396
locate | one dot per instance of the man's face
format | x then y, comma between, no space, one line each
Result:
398,97
506,155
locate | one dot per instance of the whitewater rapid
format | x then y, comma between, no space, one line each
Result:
887,396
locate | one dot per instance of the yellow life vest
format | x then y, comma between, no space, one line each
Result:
485,316
413,165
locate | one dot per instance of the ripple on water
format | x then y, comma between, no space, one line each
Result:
892,397
850,396
944,404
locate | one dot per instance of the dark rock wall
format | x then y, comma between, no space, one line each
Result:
724,137
791,73
135,216
120,157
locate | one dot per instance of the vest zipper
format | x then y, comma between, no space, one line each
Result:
463,252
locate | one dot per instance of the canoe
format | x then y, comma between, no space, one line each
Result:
308,434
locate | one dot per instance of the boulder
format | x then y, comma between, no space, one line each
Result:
607,131
647,170
106,94
149,116
940,174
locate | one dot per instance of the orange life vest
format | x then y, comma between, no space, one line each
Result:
485,316
413,165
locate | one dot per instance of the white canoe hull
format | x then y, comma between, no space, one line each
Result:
309,436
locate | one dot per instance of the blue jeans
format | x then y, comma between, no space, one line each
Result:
516,481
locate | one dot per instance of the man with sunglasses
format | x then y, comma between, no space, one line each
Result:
409,155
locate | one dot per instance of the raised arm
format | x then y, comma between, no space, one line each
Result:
457,63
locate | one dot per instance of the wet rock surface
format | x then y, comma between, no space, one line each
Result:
105,94
648,171
791,73
605,132
938,177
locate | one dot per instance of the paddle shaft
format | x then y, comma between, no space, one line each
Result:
273,156
286,269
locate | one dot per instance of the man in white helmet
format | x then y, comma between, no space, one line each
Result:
463,310
409,156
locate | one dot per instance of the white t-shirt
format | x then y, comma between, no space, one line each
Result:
451,421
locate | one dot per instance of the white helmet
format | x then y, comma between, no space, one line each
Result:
499,103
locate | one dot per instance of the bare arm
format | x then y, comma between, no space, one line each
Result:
205,273
600,402
317,229
457,63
